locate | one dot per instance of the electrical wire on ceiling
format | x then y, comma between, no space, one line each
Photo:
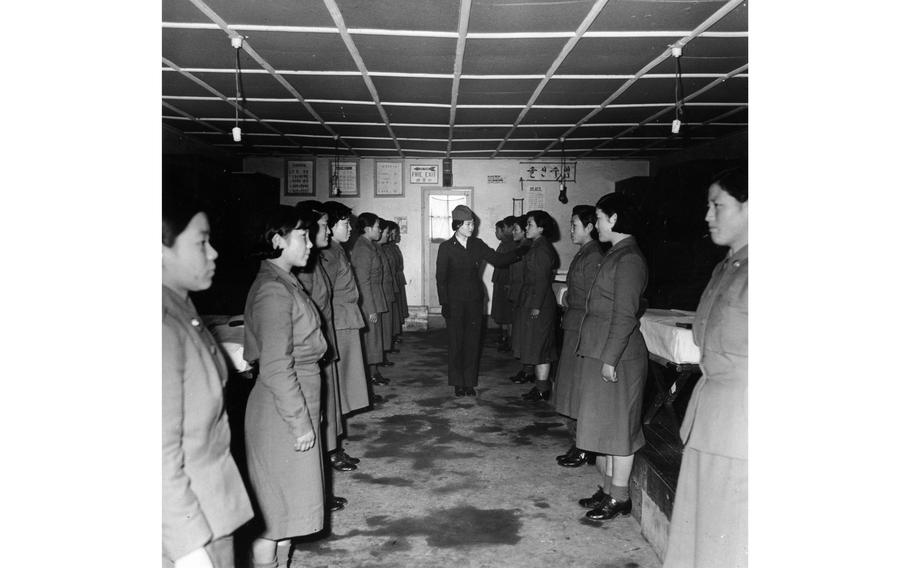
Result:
237,43
563,171
679,96
336,161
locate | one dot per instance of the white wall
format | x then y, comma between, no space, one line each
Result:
492,201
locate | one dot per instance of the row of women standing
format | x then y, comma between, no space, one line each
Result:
602,367
302,327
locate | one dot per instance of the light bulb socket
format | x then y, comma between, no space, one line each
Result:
237,42
676,51
674,128
235,132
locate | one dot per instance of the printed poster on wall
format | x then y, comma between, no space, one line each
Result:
348,180
389,178
535,197
299,177
424,174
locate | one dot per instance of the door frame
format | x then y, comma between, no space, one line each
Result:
429,272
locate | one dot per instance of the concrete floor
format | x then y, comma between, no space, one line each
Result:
466,482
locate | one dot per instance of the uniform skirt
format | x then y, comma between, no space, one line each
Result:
352,380
566,389
609,416
371,339
287,485
709,526
535,342
388,328
331,403
501,307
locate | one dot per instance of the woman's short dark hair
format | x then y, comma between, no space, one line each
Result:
521,221
628,220
734,181
393,226
509,221
456,223
280,221
588,216
501,224
336,211
311,211
178,208
384,224
544,221
366,219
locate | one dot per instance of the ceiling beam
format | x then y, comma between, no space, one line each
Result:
464,15
710,21
566,49
658,114
335,12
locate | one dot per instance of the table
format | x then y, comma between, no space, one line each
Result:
228,332
673,355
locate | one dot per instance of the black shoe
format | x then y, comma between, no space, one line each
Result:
522,377
378,379
535,395
337,503
387,364
573,451
610,509
596,501
344,455
340,464
376,398
580,458
470,391
459,391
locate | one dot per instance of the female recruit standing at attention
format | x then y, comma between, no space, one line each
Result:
368,272
500,308
537,304
710,515
282,333
614,362
581,273
203,497
348,319
461,295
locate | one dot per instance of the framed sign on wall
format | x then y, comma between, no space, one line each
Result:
389,178
300,177
348,179
423,174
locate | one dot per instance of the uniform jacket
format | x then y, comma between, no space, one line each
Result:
202,492
538,267
516,275
578,281
458,269
501,273
318,286
368,272
610,327
282,331
389,274
717,416
345,295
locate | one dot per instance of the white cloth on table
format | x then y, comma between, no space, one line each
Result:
665,339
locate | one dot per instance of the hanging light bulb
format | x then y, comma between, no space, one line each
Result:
677,123
335,189
562,173
237,43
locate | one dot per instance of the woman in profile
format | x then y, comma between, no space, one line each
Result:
578,281
368,272
282,333
204,501
536,315
709,527
614,362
